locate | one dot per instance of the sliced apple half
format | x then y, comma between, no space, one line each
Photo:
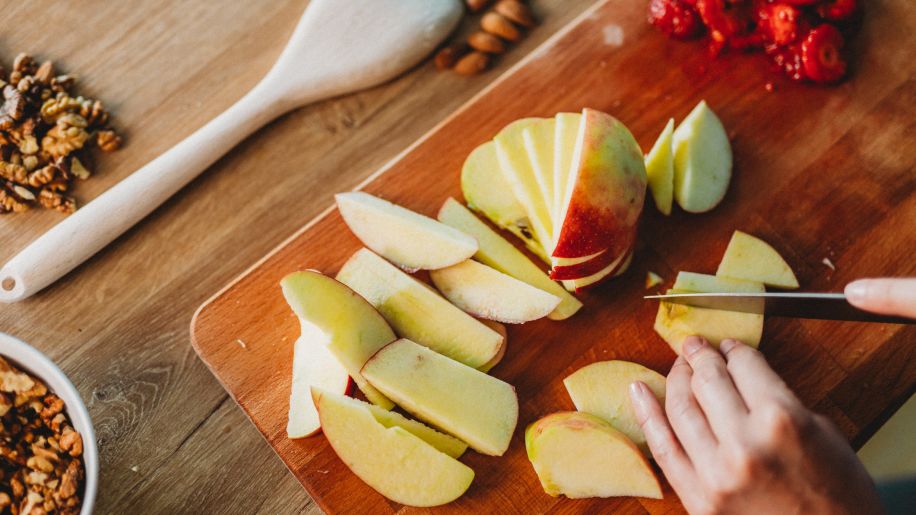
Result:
660,169
702,160
612,270
466,403
606,189
391,460
753,259
501,329
495,251
408,239
416,311
516,169
344,323
488,192
602,389
580,455
488,293
565,133
538,141
441,441
313,365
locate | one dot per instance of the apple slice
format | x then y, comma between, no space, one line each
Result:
501,329
416,311
498,253
538,142
487,293
441,441
579,455
702,160
391,460
488,192
607,185
612,270
753,259
602,389
313,365
349,327
660,169
703,283
564,143
516,169
467,403
408,239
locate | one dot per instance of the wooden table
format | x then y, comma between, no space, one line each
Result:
171,439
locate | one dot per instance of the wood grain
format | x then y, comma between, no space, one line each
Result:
821,172
118,325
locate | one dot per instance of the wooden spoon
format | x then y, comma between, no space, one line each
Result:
338,47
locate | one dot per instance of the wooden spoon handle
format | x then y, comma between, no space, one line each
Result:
99,222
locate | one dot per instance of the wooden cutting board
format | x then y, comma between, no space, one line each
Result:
821,173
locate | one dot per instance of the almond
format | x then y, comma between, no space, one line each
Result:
448,56
517,12
472,64
486,42
499,25
475,6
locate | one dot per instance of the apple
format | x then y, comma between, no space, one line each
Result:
517,171
702,160
602,389
753,259
495,251
391,460
488,293
466,403
653,280
342,323
501,329
313,365
441,441
612,270
606,188
580,455
414,310
408,239
703,283
564,143
538,141
674,322
488,192
660,169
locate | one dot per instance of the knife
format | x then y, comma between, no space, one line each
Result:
822,306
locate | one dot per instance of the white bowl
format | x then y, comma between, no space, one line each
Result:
31,360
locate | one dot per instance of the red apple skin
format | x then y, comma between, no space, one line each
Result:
610,275
609,192
590,267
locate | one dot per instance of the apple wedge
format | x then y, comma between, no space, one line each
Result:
606,189
495,251
501,329
564,143
391,460
660,169
466,403
416,311
702,160
602,389
408,239
613,270
753,259
336,317
313,365
441,441
488,193
488,293
538,142
580,455
703,283
517,170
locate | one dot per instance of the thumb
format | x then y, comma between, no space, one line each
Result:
886,296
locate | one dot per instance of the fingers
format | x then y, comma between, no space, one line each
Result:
755,381
665,447
885,296
713,388
687,419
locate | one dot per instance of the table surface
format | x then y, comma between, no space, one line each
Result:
171,439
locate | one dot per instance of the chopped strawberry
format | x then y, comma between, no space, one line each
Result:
838,10
677,18
779,23
788,59
799,2
821,54
723,21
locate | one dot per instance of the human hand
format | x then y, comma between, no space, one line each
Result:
886,296
733,438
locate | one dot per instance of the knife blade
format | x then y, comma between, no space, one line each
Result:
822,306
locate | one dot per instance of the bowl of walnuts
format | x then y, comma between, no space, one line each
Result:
48,453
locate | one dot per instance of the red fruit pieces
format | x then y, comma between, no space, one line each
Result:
789,60
724,21
838,10
677,18
821,54
780,24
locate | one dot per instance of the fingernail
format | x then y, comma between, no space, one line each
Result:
727,345
856,291
692,344
638,392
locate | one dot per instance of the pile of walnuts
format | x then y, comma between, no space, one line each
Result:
41,464
45,133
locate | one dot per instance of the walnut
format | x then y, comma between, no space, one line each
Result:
62,83
13,106
54,107
54,200
13,172
108,141
44,72
67,135
72,442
